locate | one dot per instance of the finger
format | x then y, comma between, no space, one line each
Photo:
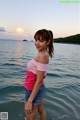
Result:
28,111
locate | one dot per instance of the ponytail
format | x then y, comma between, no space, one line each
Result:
50,46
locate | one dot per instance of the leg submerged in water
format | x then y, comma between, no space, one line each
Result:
41,110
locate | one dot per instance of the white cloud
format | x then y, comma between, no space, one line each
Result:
2,29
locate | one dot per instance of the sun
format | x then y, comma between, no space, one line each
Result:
20,30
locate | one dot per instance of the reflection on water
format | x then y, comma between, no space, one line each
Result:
19,52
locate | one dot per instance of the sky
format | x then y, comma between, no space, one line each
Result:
20,19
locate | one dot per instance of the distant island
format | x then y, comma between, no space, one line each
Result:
25,40
74,39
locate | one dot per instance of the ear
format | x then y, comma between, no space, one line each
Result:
48,42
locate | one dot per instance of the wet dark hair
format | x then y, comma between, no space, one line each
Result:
46,35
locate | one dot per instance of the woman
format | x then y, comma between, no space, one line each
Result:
36,73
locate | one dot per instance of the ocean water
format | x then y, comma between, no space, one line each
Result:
62,99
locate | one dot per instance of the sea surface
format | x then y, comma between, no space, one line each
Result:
62,99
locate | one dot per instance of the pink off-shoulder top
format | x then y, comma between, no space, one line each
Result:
31,74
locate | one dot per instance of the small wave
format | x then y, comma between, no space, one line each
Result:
54,75
72,76
12,64
9,64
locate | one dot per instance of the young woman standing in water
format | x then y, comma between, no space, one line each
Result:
36,73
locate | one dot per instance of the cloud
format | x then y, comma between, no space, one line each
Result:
2,29
4,34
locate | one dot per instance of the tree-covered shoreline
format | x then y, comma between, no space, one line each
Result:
74,39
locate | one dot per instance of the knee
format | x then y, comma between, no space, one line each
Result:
30,116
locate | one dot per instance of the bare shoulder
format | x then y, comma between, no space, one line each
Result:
43,58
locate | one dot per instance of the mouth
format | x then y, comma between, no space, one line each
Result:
38,47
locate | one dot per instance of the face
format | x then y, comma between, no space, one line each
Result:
41,44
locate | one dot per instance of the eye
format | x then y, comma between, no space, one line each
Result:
36,40
41,40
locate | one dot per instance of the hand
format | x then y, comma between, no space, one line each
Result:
28,107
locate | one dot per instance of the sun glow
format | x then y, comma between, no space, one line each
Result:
20,31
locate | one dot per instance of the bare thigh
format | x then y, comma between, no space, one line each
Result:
41,107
